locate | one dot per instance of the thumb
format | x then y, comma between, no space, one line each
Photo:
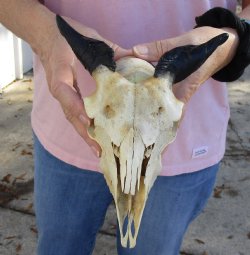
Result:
151,51
119,52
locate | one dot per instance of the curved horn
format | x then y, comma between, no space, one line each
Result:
182,61
89,51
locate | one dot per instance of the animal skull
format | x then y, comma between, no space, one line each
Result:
135,116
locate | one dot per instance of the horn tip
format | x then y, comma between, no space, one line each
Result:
89,51
223,37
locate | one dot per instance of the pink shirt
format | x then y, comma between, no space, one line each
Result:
200,140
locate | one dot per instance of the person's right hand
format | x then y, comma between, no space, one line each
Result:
59,63
221,56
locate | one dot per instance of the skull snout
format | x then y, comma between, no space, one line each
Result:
131,161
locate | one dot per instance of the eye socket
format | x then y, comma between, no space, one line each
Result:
108,111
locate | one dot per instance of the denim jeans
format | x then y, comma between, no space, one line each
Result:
71,204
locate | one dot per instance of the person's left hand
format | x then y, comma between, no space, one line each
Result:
220,58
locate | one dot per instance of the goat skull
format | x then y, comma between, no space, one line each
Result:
136,116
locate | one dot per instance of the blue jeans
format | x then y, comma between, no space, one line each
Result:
71,204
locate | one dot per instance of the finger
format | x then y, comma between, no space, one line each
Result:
78,125
72,103
185,89
121,53
64,88
151,51
74,111
118,51
91,33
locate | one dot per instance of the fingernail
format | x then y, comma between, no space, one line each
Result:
84,120
96,151
141,50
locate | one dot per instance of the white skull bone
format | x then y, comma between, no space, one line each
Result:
135,117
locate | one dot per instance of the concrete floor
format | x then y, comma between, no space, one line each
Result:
222,229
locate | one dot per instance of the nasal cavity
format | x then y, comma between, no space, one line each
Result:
125,226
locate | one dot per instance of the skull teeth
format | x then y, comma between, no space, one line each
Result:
137,168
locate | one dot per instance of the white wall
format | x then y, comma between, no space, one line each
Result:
15,57
7,63
27,57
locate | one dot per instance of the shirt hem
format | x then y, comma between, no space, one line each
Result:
58,152
84,164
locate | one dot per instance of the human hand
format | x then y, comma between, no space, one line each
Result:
59,63
220,58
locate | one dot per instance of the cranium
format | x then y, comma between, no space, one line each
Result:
135,116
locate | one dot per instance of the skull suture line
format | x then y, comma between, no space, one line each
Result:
135,116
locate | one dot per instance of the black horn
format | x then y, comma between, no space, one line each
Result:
91,52
180,62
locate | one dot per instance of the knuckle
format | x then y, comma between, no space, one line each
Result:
165,45
160,48
114,47
68,114
70,110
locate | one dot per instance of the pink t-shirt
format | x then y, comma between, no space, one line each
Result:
200,141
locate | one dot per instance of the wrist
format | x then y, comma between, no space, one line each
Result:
29,20
222,18
43,31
